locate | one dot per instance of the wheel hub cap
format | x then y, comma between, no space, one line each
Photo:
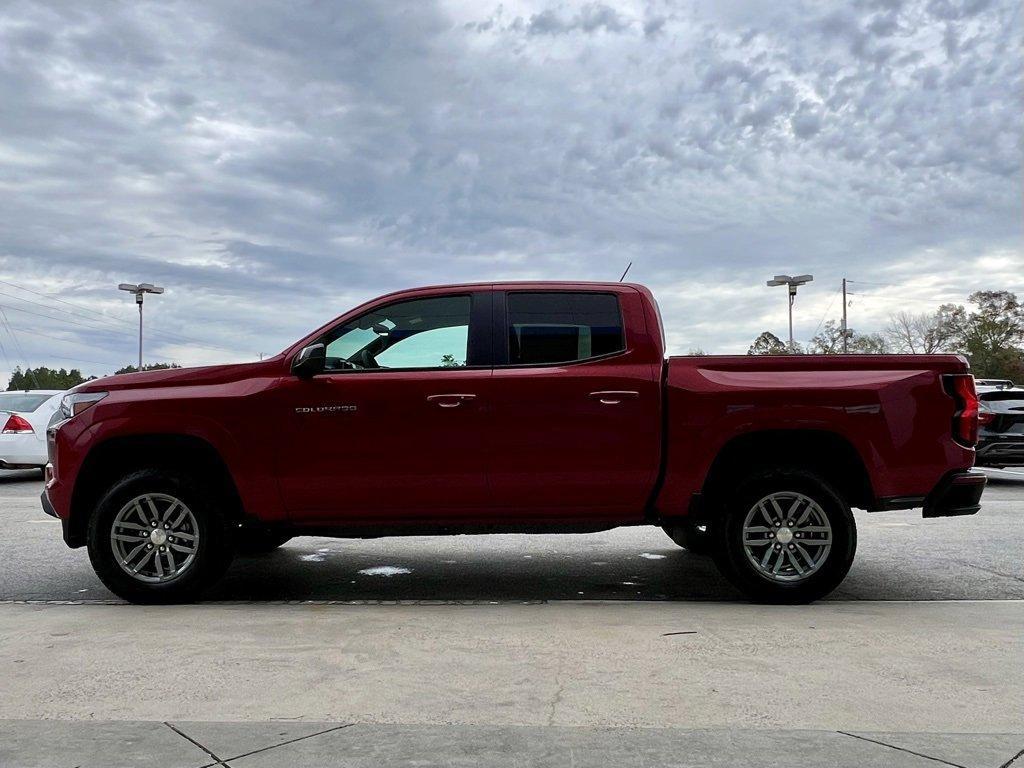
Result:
787,536
154,538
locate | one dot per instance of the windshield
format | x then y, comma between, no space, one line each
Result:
24,402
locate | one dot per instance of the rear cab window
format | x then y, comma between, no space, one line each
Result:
551,327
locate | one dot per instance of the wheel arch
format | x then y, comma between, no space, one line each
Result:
117,457
827,454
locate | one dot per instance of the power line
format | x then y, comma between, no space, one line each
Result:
18,347
170,335
827,310
76,323
890,297
77,344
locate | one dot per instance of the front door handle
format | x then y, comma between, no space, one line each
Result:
450,401
614,397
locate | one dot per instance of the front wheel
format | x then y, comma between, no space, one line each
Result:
786,537
157,537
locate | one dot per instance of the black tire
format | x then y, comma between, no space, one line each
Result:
212,554
731,556
258,541
691,538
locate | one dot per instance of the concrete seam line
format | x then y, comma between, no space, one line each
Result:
901,749
1012,760
290,741
499,603
189,738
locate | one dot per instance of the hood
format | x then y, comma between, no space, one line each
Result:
184,377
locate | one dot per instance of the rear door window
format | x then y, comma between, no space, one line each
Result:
561,327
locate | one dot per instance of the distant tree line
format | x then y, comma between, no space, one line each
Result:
992,336
61,378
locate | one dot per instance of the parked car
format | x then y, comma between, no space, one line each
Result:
24,415
508,407
1001,419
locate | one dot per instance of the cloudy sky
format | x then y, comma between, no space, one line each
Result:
274,163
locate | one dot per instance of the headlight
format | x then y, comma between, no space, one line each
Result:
74,403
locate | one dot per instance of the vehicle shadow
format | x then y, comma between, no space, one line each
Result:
454,570
25,476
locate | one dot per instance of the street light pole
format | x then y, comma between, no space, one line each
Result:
846,331
792,283
140,290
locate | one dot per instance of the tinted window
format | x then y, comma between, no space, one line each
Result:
562,327
22,401
422,333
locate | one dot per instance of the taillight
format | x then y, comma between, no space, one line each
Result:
960,386
17,426
985,416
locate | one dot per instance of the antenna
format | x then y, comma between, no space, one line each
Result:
624,273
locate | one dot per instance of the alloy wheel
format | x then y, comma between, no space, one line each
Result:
787,536
155,538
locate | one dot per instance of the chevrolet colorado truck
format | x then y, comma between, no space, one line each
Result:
508,407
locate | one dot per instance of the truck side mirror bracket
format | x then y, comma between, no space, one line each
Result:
310,361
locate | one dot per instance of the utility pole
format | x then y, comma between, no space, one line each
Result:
140,290
846,329
793,283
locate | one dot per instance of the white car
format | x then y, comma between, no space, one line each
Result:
24,416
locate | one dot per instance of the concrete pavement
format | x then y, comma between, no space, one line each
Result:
605,649
865,666
33,744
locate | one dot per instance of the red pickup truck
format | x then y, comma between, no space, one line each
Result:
508,407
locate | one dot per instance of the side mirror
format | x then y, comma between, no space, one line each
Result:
310,361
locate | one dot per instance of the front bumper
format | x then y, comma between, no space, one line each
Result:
958,493
71,538
47,506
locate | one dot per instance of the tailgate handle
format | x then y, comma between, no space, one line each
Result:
614,397
450,401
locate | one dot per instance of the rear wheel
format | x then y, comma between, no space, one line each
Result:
158,537
785,536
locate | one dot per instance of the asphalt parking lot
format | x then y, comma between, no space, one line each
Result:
900,557
614,648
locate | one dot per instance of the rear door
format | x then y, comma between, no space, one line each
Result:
576,405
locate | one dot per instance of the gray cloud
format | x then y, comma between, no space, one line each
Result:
274,164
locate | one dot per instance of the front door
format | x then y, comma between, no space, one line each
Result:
393,429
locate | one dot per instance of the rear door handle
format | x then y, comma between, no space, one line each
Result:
614,397
450,401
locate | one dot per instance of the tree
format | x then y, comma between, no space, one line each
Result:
868,344
992,336
768,344
149,367
696,352
44,378
829,341
926,334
